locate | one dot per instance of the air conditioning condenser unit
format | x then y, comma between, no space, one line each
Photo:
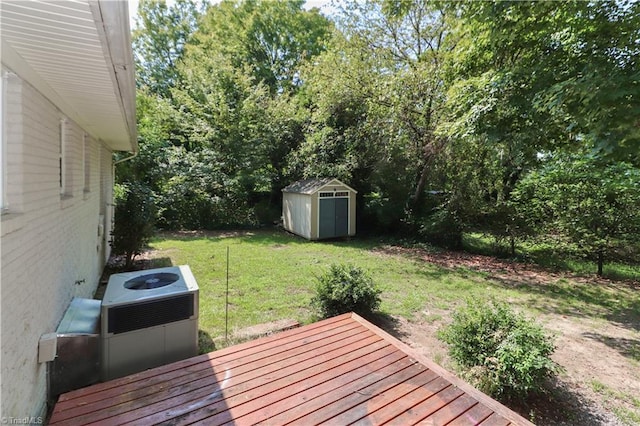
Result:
148,318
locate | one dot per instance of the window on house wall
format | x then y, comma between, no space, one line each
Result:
61,156
86,159
3,141
11,135
64,172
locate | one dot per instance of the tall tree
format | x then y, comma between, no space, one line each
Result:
595,204
272,38
411,40
233,113
558,74
161,33
375,97
527,79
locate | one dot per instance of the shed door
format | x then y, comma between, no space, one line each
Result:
333,217
342,217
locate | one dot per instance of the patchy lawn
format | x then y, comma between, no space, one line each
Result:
272,277
597,326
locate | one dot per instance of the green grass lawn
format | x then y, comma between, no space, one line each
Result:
272,275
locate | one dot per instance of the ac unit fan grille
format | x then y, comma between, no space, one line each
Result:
149,314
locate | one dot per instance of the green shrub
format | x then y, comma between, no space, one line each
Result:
505,354
345,288
134,218
442,228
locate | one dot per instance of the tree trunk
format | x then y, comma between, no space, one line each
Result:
128,264
600,261
422,182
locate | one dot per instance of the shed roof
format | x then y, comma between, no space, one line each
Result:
342,370
78,55
311,186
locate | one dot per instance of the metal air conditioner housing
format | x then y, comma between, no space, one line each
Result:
148,318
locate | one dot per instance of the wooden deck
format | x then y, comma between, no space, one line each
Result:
339,371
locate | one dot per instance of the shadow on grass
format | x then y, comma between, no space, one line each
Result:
629,348
555,258
388,323
616,302
267,237
158,262
116,264
259,236
558,405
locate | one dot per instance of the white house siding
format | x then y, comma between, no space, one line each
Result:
297,214
50,249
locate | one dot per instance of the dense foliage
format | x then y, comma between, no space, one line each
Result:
346,288
503,353
443,115
595,206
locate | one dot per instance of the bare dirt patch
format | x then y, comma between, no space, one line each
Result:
599,353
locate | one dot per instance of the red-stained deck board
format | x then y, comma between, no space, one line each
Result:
474,416
297,404
451,411
339,371
298,336
495,420
383,406
132,396
254,389
206,392
428,398
359,404
235,408
320,408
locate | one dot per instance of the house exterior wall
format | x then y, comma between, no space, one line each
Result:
296,214
50,248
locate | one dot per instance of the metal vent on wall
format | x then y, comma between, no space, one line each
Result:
148,314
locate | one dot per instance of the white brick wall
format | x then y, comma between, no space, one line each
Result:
48,241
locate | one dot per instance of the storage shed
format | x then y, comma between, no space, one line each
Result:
319,208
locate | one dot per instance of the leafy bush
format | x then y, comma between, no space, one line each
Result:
506,354
346,288
135,214
442,228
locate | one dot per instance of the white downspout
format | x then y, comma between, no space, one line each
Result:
132,156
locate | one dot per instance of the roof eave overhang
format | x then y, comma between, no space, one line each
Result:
112,22
334,182
318,186
37,59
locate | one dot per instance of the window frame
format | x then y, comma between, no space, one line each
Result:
4,203
86,162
